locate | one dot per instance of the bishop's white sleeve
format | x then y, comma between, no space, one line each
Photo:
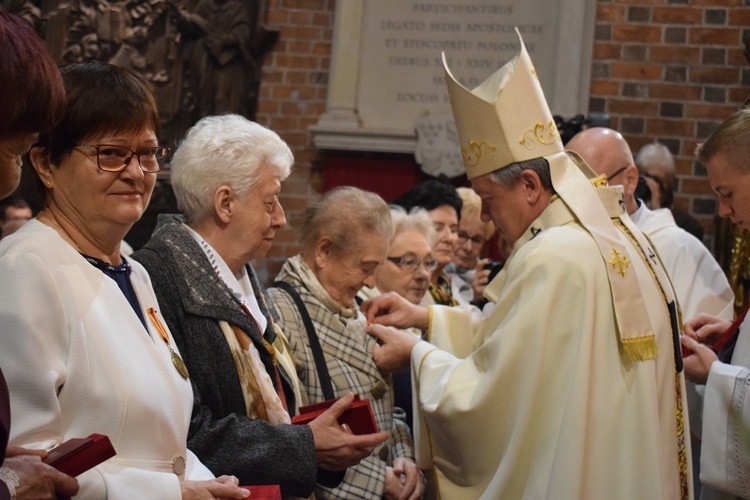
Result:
463,337
725,454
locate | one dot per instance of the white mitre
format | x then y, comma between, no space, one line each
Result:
506,120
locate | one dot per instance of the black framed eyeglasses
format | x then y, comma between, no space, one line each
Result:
476,240
111,158
412,263
617,172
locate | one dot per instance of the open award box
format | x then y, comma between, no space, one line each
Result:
358,417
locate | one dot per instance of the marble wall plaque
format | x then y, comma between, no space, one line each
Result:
387,71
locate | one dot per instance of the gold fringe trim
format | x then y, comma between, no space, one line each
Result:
640,348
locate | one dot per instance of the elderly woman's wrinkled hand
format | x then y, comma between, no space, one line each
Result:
391,309
411,478
37,479
393,350
221,487
698,364
706,328
336,447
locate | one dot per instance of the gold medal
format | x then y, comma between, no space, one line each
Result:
177,361
179,364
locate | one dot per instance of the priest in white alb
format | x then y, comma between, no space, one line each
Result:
572,387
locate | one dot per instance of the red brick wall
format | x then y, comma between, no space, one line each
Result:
663,69
292,97
671,70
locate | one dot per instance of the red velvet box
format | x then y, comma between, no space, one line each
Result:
264,491
76,456
359,416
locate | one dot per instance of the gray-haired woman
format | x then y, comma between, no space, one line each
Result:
409,261
345,236
227,176
406,271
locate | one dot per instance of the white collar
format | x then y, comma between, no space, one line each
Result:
638,214
238,284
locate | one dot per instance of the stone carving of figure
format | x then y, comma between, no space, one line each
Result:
221,67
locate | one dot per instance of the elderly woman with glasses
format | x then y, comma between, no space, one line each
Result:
344,240
409,262
467,271
443,206
87,349
406,271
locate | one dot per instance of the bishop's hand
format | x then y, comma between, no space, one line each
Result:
698,364
706,328
393,310
393,350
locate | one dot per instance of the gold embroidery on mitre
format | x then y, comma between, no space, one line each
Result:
541,134
477,151
533,72
619,262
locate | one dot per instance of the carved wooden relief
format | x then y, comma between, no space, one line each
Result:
202,57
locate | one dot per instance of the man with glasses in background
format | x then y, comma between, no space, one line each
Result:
698,280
